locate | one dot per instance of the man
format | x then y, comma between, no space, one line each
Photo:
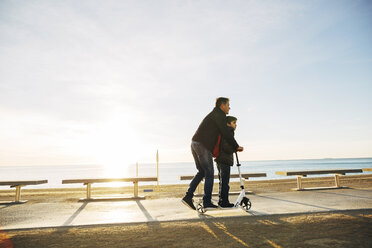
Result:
203,142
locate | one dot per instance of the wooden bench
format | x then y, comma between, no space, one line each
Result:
18,185
89,182
245,176
367,169
335,172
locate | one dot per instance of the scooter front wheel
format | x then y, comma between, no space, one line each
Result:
246,204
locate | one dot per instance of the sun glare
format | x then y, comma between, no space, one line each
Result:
114,145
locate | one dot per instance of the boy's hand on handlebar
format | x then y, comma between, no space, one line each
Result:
240,149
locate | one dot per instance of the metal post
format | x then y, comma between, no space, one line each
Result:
89,193
18,193
157,168
299,183
337,180
135,184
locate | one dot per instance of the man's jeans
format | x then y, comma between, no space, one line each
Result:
224,177
204,164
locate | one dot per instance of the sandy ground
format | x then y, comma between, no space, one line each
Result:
340,229
331,229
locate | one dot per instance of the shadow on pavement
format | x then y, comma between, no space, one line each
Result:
5,205
300,203
144,211
343,194
77,212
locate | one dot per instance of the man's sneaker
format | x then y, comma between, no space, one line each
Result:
224,205
209,206
188,202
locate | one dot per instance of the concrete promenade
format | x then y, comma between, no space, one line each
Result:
58,214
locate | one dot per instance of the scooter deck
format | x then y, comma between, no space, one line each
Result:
220,209
245,205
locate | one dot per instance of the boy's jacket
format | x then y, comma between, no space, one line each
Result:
209,129
226,151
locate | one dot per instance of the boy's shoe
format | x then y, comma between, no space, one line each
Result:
209,206
188,202
224,205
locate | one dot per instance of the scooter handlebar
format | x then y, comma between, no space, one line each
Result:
237,159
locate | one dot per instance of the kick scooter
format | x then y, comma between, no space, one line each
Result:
242,201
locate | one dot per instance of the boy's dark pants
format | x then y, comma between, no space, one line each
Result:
224,177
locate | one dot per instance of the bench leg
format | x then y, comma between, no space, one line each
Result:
135,184
18,193
299,183
89,191
337,180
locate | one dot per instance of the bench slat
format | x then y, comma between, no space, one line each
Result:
108,180
314,172
245,175
16,183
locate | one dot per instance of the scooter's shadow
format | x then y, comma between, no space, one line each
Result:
255,213
209,216
205,216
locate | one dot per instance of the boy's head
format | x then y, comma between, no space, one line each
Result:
231,121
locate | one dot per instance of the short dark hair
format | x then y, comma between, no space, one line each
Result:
221,100
230,119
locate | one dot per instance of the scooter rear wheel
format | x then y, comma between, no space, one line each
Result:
200,208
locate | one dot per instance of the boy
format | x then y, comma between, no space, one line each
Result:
224,161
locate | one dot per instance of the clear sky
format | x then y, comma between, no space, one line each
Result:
89,82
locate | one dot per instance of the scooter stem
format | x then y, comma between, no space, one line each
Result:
240,175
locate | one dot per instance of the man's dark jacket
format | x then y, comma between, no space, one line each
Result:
209,129
226,151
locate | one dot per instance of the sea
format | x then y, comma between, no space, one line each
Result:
168,172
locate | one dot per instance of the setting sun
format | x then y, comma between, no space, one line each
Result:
113,144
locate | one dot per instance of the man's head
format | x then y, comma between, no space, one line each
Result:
231,121
224,104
